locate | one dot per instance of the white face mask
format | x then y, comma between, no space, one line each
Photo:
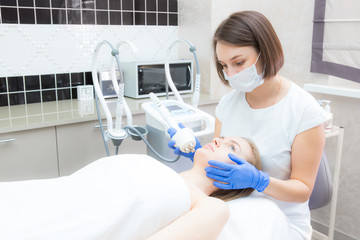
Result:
246,80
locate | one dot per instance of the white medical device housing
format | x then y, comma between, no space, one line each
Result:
184,137
200,122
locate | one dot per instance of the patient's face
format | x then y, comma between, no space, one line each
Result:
219,148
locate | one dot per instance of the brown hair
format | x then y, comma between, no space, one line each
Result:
250,28
227,195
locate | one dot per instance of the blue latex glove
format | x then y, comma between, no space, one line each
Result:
237,176
177,151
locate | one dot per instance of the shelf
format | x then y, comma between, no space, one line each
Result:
332,90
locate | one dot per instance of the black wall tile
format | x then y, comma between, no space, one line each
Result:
173,5
88,78
74,16
42,3
7,2
27,16
151,5
48,96
140,5
88,4
173,19
151,18
115,4
73,4
33,97
9,15
15,84
16,98
58,3
127,5
128,18
77,79
62,80
139,18
102,18
162,19
3,100
74,92
3,87
162,5
47,81
63,94
102,4
43,16
32,82
88,17
26,3
59,16
115,18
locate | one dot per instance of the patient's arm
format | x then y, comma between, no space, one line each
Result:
205,219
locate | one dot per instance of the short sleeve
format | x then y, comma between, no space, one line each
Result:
313,115
223,103
219,111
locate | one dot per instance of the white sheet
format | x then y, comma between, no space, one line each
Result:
256,218
108,199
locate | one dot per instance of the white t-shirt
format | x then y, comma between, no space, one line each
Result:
273,130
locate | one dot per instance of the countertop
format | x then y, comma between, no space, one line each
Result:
47,114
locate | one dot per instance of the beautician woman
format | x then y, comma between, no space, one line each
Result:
283,120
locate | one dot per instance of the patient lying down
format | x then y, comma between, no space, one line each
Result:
208,215
127,196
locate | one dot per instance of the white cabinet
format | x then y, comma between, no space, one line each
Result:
81,143
78,145
28,154
61,150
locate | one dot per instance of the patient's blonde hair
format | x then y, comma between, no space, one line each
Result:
227,195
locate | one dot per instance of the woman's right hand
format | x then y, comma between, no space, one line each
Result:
177,150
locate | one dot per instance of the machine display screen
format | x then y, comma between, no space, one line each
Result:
173,107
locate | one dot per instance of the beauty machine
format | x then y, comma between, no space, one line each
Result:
160,115
115,132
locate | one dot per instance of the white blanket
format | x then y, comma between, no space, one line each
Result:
253,218
120,197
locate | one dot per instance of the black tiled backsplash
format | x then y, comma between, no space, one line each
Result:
47,81
90,12
42,3
3,85
162,5
62,86
41,88
32,82
4,100
16,84
26,3
33,97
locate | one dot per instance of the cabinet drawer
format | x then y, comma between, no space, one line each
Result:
28,155
81,143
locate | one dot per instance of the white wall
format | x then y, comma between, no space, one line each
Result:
292,20
48,49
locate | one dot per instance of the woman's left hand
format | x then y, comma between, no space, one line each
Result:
237,176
